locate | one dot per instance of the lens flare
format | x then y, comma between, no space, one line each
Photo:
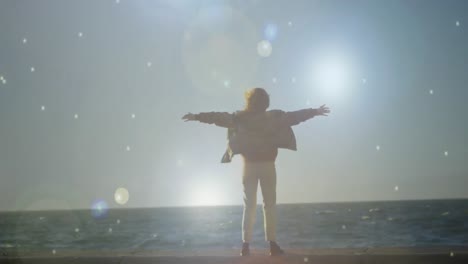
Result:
99,208
270,32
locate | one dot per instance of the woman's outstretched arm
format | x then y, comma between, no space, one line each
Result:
222,119
295,117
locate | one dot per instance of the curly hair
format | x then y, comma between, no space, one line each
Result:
256,100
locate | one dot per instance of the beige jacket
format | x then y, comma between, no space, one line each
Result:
249,131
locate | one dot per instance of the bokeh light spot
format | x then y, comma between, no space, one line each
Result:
264,48
180,163
214,74
121,196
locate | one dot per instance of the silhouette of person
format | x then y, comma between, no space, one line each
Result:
256,134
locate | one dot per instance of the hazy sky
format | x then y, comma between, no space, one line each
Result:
92,92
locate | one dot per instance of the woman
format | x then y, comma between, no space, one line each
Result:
256,134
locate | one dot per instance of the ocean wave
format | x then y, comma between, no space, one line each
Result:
7,245
325,212
400,223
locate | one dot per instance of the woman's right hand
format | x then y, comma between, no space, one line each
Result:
323,110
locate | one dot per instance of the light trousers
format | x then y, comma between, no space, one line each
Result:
265,173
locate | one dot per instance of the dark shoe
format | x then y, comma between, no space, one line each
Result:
245,249
275,250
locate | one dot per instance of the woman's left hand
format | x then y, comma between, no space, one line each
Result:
189,117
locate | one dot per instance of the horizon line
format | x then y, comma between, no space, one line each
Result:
229,205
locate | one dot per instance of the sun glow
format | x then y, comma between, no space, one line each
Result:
206,195
332,75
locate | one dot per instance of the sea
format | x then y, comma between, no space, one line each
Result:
424,223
